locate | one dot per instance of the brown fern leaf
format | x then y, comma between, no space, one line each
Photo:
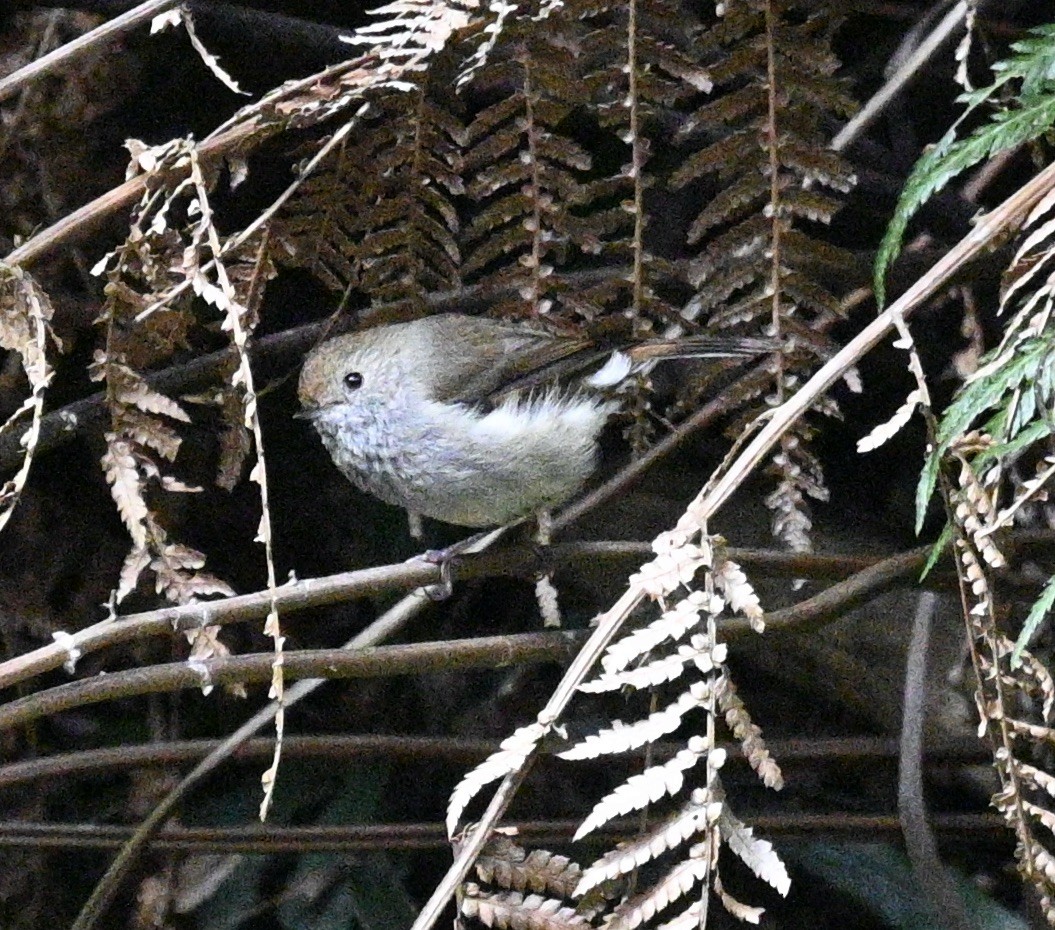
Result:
378,213
250,267
525,171
144,424
760,264
507,865
25,329
640,61
510,910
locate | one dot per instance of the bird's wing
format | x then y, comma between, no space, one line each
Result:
495,355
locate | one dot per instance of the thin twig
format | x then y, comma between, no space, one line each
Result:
359,838
952,20
63,57
53,770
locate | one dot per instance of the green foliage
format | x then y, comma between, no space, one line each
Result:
1027,116
1008,389
1037,613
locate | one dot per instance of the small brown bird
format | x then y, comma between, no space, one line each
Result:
460,419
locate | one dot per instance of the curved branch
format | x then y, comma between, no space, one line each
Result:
380,661
450,750
270,839
808,616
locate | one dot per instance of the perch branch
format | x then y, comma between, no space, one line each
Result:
373,582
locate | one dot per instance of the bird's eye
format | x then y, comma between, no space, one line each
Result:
353,380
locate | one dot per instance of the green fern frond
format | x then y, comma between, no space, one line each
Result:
1031,114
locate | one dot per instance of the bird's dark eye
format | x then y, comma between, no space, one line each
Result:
353,380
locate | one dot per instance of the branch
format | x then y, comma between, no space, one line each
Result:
378,662
936,38
62,58
270,839
297,595
386,579
921,845
249,122
449,750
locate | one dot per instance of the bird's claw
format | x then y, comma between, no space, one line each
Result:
444,558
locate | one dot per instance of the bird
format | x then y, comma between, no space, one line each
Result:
466,419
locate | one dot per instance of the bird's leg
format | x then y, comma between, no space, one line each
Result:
414,526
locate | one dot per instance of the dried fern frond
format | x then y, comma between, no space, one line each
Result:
523,169
507,865
25,328
527,889
143,434
760,265
510,757
992,457
651,659
511,910
378,213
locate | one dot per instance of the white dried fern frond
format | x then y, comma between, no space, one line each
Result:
512,754
698,814
126,487
676,563
406,32
25,327
674,624
647,787
886,431
730,579
677,883
624,737
183,15
130,389
757,854
692,918
739,910
700,652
